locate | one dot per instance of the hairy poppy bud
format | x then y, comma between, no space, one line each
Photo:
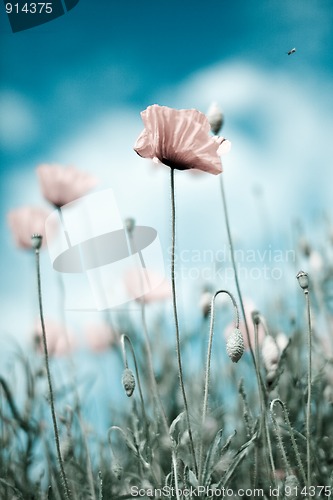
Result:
215,118
270,353
235,345
117,470
128,382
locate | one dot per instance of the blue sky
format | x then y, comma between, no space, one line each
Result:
71,92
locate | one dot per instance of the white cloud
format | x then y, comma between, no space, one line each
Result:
279,126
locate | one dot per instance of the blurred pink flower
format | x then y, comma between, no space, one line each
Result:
249,307
180,139
61,185
26,221
152,289
59,341
99,337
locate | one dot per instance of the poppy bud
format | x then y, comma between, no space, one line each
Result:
235,345
270,353
117,470
205,303
128,381
215,118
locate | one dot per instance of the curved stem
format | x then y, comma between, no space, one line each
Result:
124,338
174,301
291,432
46,355
280,442
208,360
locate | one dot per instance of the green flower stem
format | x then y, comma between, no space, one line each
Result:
175,472
124,338
174,300
232,253
208,361
291,433
46,355
308,409
263,422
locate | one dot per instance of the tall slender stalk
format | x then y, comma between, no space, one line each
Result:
291,433
174,301
208,361
263,420
303,280
46,356
124,338
153,384
232,253
308,409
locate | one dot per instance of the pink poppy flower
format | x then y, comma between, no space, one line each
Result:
61,185
179,139
99,337
59,341
150,287
26,221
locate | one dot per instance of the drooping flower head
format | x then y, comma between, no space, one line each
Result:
180,139
26,221
249,307
61,185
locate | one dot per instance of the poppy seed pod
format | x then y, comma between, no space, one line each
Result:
128,382
235,345
36,241
303,280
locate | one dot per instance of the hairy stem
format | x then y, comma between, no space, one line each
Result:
232,253
46,355
208,361
308,408
174,301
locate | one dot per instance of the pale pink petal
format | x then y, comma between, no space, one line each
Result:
60,341
99,337
179,138
147,286
224,146
26,221
61,185
143,145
